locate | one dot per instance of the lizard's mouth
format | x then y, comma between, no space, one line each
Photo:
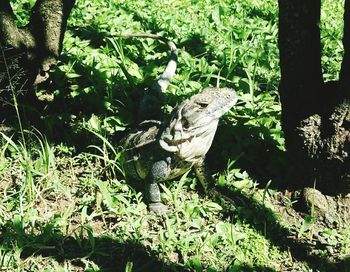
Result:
175,145
178,141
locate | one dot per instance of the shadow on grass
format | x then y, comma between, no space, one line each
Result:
106,252
255,151
252,149
265,221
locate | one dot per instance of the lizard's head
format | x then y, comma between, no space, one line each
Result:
193,124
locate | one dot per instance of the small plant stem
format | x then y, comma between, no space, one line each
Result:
15,103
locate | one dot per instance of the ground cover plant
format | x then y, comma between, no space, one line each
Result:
66,205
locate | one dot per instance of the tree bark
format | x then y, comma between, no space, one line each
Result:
315,115
28,53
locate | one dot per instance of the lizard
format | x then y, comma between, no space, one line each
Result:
165,148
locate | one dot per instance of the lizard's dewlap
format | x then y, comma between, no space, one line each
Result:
193,125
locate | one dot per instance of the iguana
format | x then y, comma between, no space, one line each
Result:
160,150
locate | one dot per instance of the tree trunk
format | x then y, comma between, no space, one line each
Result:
26,54
315,115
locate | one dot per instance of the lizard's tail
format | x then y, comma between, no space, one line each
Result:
169,72
150,106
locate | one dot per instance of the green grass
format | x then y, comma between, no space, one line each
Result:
66,205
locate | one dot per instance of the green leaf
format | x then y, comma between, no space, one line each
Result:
94,122
197,264
106,195
134,70
73,75
212,206
129,266
215,15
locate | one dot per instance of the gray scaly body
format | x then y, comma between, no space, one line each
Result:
159,151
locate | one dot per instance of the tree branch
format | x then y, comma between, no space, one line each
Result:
40,42
345,69
48,24
8,28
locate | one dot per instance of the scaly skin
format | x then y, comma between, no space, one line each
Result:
157,151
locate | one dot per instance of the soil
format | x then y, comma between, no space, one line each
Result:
316,225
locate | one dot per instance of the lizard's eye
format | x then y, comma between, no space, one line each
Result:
185,123
203,105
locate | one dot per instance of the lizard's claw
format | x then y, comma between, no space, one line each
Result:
158,208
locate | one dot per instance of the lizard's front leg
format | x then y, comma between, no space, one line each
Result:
159,172
204,177
208,184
